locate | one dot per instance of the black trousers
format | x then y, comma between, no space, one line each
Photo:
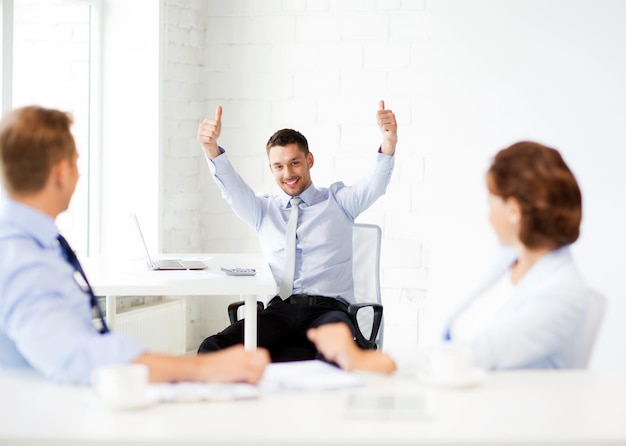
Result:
282,327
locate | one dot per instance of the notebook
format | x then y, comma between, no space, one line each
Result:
166,264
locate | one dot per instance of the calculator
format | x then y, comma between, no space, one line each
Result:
239,271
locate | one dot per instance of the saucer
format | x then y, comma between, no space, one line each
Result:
474,378
147,401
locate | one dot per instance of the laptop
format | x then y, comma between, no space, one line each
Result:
166,264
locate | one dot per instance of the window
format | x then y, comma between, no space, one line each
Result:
54,63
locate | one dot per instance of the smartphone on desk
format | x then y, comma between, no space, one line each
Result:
239,271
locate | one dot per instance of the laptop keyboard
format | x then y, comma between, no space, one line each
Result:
168,263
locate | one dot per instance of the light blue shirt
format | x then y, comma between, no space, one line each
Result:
324,233
45,317
539,327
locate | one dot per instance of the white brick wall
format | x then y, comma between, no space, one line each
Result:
317,66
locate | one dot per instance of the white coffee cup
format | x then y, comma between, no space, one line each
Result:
121,386
450,363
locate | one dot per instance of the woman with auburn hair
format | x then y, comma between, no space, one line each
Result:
529,310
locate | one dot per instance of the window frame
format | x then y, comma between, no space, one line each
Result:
93,152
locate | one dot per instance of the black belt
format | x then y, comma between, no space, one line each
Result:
305,299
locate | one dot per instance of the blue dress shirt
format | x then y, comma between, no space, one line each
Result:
45,316
324,233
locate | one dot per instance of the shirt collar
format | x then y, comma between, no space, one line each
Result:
307,196
30,221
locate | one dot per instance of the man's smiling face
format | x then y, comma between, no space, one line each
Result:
290,167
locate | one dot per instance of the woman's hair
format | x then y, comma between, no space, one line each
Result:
285,137
547,191
32,140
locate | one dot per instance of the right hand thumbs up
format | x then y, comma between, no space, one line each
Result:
218,114
209,132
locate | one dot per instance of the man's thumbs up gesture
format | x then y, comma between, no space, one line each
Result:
208,133
388,127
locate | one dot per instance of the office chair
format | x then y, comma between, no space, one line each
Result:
367,311
589,329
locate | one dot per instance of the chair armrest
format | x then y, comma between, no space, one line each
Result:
233,307
361,340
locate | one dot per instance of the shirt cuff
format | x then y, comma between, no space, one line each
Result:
380,151
218,162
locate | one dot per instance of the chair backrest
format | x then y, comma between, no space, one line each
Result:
366,240
589,329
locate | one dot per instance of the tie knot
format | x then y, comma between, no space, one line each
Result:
295,201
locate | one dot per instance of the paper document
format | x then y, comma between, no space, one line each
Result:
307,375
284,376
198,391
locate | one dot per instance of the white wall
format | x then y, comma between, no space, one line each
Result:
130,123
184,88
548,71
465,78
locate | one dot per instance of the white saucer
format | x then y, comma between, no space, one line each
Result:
474,378
147,401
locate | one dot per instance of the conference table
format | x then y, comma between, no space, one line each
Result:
507,408
118,277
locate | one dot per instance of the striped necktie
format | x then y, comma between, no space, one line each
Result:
286,284
70,256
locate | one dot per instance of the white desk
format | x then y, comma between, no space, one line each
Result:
131,277
521,408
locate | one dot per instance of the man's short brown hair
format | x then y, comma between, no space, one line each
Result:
32,140
285,137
